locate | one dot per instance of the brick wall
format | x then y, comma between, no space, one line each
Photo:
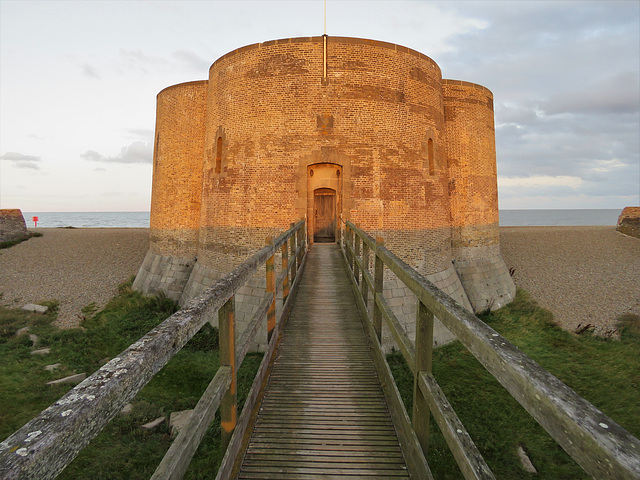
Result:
176,190
473,189
177,169
471,154
413,158
629,221
12,225
373,117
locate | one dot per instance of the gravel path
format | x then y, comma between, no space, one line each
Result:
584,275
73,266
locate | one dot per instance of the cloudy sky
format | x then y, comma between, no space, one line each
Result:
79,79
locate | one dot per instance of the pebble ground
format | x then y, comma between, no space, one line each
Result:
75,266
584,275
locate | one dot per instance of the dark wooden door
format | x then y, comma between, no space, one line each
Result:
324,200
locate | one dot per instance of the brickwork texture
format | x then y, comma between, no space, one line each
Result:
410,156
629,221
12,225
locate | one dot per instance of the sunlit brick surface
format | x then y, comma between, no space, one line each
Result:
414,158
177,169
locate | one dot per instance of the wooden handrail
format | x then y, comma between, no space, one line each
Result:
49,442
599,445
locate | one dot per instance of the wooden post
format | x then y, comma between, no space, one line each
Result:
227,354
271,289
356,269
301,244
365,270
294,262
424,350
378,280
285,268
354,239
350,247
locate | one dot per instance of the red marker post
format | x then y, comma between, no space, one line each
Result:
35,221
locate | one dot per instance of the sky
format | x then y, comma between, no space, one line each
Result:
79,79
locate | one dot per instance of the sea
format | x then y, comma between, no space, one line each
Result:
508,218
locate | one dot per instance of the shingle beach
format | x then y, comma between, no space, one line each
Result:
75,266
584,275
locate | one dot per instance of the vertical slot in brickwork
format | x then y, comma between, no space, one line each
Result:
219,155
432,161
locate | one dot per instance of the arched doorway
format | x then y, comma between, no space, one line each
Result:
324,205
324,201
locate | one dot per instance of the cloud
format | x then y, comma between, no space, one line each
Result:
31,165
136,152
22,161
19,157
615,94
138,61
145,133
90,71
93,156
191,61
541,181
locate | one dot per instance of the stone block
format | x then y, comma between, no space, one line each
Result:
126,410
31,307
12,225
178,420
22,331
72,379
629,222
42,351
152,424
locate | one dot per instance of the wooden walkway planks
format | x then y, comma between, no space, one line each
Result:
323,414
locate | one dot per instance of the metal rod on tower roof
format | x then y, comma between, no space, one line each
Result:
325,17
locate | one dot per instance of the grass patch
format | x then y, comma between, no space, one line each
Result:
602,370
122,449
11,243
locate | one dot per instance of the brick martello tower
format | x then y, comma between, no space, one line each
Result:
326,126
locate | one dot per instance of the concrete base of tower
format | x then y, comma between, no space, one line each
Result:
487,282
404,304
160,273
247,300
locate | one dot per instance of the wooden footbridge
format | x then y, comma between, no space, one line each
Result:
323,404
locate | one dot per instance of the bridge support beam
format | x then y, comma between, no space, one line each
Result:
365,271
227,352
271,289
378,285
424,353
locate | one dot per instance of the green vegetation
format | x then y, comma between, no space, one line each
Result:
602,370
122,450
11,243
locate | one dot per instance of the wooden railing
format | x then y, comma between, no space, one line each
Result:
48,443
598,444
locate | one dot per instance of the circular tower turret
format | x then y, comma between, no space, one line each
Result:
177,189
473,189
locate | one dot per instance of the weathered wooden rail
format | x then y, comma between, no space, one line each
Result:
599,445
48,443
